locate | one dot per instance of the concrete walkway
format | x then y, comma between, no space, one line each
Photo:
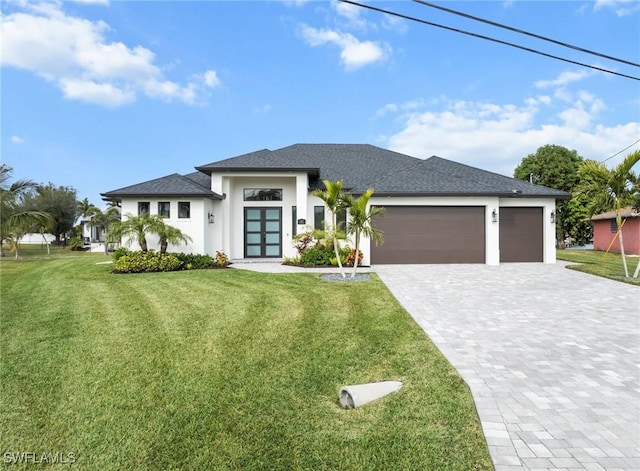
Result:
552,357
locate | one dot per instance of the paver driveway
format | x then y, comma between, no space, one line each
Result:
552,357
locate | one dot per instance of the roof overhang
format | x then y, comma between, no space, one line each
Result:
120,196
462,195
312,172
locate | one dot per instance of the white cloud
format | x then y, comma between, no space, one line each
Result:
264,109
89,91
354,53
74,54
564,78
620,7
211,79
17,140
93,2
496,137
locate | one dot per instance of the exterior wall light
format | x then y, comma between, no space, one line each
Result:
494,215
553,217
211,217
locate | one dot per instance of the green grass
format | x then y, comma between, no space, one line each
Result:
220,369
607,265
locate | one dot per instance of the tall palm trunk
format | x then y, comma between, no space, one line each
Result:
624,258
355,261
334,222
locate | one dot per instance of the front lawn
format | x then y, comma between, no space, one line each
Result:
607,265
220,369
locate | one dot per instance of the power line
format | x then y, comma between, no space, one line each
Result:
537,36
487,38
618,153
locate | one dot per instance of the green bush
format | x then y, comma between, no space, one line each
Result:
192,261
141,262
75,243
120,252
316,256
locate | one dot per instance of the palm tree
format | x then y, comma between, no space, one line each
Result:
136,228
15,219
333,198
361,221
104,220
610,189
170,235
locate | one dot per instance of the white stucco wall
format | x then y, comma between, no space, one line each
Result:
226,233
195,226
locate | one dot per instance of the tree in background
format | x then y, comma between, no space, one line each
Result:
557,167
15,218
60,203
610,189
361,221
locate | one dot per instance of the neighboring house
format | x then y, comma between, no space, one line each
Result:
605,231
437,211
38,238
91,234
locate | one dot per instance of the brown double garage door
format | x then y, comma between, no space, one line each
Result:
455,234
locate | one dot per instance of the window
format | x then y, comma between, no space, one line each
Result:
164,209
143,208
318,218
184,209
614,226
263,194
294,219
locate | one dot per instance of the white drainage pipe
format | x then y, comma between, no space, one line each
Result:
360,394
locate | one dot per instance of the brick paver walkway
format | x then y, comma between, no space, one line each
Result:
552,357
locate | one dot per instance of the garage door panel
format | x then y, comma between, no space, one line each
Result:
431,234
521,234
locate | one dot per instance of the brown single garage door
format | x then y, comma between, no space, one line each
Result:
431,234
521,237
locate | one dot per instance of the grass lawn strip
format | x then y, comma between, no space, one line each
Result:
607,265
221,369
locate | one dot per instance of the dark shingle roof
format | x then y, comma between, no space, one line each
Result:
363,166
171,185
360,166
438,176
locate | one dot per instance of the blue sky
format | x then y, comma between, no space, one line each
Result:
103,94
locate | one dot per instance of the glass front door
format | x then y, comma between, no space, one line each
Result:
262,232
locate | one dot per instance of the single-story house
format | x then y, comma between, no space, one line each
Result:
605,229
437,211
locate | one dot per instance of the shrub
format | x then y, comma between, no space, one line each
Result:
303,241
316,256
351,256
221,260
291,260
120,252
141,262
75,243
192,261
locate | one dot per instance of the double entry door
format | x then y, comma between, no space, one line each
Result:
262,232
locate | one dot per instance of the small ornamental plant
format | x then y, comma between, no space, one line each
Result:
352,256
221,259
